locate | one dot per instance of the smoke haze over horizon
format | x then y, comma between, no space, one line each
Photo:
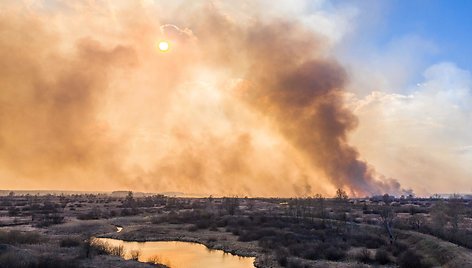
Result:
248,101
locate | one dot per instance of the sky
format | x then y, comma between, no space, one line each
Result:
253,98
444,23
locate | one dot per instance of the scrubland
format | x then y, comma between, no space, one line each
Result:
58,230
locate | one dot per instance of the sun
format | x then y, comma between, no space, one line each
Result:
163,46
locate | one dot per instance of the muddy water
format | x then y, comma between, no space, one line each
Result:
181,254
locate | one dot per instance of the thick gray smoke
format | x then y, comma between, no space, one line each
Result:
301,91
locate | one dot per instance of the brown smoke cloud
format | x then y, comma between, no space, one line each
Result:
249,106
49,101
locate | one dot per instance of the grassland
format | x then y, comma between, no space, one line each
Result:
55,230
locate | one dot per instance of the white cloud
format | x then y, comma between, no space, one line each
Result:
422,138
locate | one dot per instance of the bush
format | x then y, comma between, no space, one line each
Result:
382,256
16,259
16,237
294,263
103,248
252,235
399,248
410,259
55,262
156,220
334,254
297,249
48,219
22,260
193,228
367,240
311,254
364,256
116,251
282,257
135,255
156,262
70,242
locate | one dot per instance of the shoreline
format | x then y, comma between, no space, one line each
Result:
212,240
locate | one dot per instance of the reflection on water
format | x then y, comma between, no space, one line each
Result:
181,254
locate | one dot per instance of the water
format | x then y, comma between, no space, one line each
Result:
181,254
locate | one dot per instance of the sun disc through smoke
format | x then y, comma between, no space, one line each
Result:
163,46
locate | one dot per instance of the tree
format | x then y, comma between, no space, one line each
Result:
320,203
454,211
438,214
129,200
341,194
387,199
250,204
417,221
387,217
231,204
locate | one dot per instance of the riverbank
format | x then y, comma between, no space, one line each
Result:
217,239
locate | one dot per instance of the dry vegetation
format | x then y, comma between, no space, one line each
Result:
56,231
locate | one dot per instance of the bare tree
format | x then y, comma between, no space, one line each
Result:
417,221
387,217
129,200
231,204
454,211
341,195
320,204
439,217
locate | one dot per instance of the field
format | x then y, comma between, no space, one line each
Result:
382,231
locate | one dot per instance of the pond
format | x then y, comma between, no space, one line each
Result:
177,254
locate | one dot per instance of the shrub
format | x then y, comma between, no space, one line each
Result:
282,257
410,259
135,255
16,237
399,248
294,263
156,220
22,260
382,256
70,242
55,262
156,262
311,254
16,259
193,228
364,256
48,219
235,231
297,249
116,251
334,254
257,234
104,248
367,240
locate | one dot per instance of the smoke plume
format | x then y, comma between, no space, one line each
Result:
240,104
